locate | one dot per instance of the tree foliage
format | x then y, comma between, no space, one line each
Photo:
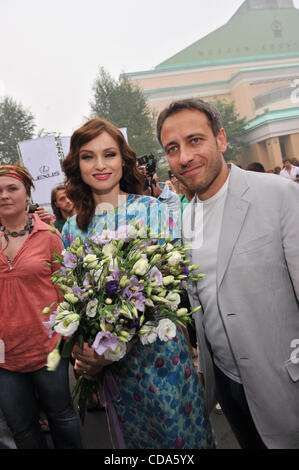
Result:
234,127
16,124
124,105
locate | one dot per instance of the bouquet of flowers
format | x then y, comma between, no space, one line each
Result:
117,287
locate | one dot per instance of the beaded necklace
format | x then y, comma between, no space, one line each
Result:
28,228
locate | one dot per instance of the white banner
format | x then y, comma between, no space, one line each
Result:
65,144
124,132
40,157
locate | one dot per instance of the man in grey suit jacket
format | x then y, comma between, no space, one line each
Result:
244,229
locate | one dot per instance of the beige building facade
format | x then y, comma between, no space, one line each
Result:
253,60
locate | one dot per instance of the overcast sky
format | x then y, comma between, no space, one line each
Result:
51,50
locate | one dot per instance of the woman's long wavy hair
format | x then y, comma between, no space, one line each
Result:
80,192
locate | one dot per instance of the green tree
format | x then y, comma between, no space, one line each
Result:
124,104
16,124
234,127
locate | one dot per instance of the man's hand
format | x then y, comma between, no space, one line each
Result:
88,362
44,215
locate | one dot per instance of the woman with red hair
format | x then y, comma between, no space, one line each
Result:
160,402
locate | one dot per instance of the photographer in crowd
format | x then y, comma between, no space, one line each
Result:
290,171
161,191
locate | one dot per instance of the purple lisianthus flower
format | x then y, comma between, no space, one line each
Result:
134,287
79,292
63,271
70,260
50,323
156,276
115,273
104,341
122,232
111,317
88,250
185,270
105,237
138,300
86,280
112,287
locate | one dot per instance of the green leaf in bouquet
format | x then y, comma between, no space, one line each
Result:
80,341
68,347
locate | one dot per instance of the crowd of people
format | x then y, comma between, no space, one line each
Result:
242,229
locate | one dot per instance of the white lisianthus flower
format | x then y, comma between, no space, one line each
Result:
109,250
151,249
116,355
175,258
181,312
96,273
150,336
140,267
91,309
71,298
90,261
142,232
174,299
63,306
53,360
66,289
166,329
132,232
68,324
128,334
149,303
169,247
167,280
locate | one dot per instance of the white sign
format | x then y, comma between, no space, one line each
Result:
65,144
40,156
124,132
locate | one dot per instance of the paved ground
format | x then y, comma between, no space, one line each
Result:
96,435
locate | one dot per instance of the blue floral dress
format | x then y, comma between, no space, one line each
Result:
160,403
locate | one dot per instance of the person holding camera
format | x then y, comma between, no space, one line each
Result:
290,171
162,192
27,248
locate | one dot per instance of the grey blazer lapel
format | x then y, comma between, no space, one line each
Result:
235,210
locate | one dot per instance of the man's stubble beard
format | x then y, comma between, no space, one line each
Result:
211,175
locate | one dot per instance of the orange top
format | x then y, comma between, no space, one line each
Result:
26,289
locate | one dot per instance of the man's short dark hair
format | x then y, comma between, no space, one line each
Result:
256,166
208,109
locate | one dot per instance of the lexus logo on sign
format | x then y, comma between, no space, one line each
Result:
44,170
45,173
